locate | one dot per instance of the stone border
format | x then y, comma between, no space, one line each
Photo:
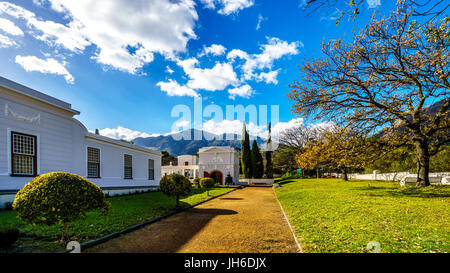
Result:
289,223
129,229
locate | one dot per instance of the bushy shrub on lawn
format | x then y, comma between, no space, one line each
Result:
8,236
207,183
197,182
59,197
175,185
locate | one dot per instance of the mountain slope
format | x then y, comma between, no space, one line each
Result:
176,144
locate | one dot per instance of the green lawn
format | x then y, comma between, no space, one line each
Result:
125,211
330,215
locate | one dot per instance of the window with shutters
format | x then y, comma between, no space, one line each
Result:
151,169
93,162
23,153
128,167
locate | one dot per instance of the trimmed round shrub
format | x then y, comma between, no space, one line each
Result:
175,185
8,236
196,182
59,197
207,183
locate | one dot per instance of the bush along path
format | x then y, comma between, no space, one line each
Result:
244,221
125,211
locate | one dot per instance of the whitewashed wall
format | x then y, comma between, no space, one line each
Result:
218,160
62,145
59,137
112,166
398,176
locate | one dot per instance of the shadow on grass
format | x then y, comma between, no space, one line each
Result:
410,192
284,182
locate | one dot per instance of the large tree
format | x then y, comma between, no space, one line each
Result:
341,149
246,158
388,77
429,9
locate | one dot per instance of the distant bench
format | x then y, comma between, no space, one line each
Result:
434,180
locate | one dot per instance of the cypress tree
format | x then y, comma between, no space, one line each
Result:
268,154
257,161
246,160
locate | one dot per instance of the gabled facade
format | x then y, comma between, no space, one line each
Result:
39,134
216,161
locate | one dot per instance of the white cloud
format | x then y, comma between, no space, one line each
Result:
123,133
235,127
169,70
172,88
373,3
6,42
214,49
10,28
260,20
244,91
275,49
210,79
278,128
48,66
227,7
126,42
268,77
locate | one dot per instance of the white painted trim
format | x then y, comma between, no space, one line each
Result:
9,152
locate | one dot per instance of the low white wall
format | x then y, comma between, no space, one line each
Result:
253,181
394,176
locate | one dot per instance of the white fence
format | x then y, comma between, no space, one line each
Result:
398,176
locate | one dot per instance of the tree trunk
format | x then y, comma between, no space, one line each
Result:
423,163
65,231
317,173
345,174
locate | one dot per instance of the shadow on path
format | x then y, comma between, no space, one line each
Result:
165,236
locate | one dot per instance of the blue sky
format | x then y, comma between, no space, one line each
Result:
126,64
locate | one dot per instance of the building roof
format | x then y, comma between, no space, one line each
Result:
123,144
223,148
31,93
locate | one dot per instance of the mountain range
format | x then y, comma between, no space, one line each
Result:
177,144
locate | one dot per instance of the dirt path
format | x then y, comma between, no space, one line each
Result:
247,220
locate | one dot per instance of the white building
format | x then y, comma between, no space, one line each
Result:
39,134
217,162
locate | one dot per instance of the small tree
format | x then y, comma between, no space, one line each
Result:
246,157
257,161
175,185
207,183
59,198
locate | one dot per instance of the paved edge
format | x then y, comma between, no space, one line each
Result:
116,234
289,223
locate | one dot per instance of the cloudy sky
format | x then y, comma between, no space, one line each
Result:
126,64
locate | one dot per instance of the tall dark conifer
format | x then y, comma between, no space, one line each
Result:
268,154
257,161
246,160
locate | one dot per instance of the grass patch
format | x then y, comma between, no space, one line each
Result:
330,215
125,211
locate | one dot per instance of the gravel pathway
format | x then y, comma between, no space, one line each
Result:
246,221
